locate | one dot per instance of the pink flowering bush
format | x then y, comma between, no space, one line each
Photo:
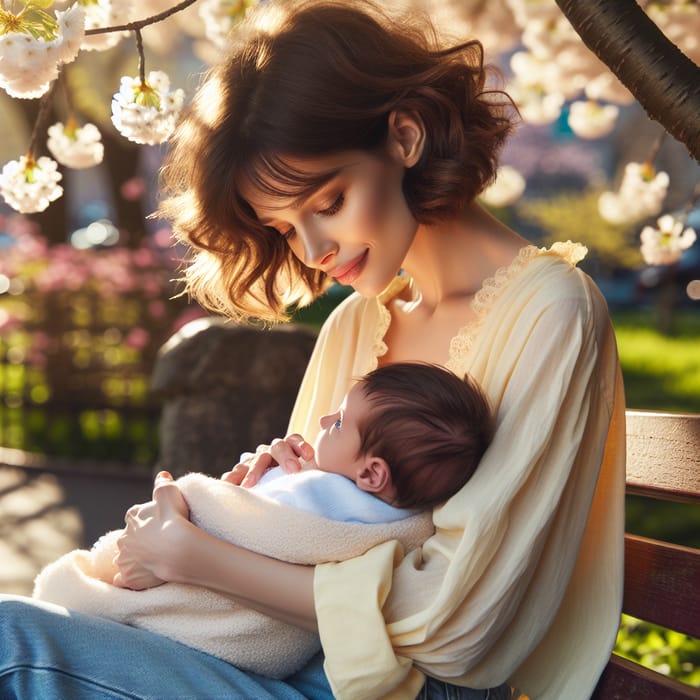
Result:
80,329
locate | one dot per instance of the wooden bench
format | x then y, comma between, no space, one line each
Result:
662,580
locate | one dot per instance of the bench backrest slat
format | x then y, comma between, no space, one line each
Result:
663,455
661,584
661,579
626,680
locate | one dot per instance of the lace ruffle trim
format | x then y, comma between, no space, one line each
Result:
379,346
492,288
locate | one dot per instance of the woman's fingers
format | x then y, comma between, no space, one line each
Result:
148,539
168,498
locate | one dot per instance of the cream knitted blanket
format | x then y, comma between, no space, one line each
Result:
208,620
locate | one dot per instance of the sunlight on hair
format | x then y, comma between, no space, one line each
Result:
209,104
267,18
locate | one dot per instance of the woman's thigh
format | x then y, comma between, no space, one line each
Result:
52,653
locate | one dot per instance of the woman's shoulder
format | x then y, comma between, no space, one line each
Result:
549,272
539,281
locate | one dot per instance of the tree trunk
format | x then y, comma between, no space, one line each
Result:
662,78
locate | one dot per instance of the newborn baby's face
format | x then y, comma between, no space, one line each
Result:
337,446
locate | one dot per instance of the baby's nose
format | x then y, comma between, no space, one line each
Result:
326,421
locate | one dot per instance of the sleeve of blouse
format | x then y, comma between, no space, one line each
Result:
486,589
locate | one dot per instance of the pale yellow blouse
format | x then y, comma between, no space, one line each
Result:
522,580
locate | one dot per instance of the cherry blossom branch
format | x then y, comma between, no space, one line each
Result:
41,118
142,57
662,78
140,24
656,147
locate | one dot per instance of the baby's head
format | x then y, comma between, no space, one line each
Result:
410,433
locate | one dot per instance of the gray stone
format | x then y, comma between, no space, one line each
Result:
225,389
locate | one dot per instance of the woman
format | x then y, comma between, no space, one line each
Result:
341,144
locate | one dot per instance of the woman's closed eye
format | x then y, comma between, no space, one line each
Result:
333,208
288,233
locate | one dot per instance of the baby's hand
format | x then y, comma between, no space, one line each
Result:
289,453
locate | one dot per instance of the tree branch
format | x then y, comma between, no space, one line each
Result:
662,78
140,24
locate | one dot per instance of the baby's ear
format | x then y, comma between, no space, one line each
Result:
374,475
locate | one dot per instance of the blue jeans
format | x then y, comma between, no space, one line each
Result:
47,653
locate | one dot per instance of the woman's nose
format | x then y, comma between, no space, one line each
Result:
319,250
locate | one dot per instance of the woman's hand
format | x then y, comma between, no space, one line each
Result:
149,545
286,453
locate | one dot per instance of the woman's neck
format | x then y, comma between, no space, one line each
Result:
449,261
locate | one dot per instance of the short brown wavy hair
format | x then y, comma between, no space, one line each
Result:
324,80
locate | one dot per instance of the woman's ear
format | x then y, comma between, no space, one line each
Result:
374,475
406,137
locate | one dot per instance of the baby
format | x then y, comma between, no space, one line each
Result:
406,437
409,434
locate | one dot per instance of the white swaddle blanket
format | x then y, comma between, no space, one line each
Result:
208,620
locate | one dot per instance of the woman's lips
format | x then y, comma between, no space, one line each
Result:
348,273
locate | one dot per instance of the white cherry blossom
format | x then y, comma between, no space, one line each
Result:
105,13
665,244
75,146
641,195
591,120
506,189
31,48
532,90
527,10
530,68
535,104
220,16
606,86
30,185
547,37
146,112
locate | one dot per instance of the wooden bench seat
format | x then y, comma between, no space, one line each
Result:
662,579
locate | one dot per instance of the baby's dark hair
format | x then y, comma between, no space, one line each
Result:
324,80
430,426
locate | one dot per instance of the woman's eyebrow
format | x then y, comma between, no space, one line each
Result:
312,188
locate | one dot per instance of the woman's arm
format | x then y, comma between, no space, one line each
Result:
160,544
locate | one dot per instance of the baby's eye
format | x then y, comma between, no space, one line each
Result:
335,207
338,424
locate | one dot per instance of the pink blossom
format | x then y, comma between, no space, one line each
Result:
137,338
133,189
8,322
143,257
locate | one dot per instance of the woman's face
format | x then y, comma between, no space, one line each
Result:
356,227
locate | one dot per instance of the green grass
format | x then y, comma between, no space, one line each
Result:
661,372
